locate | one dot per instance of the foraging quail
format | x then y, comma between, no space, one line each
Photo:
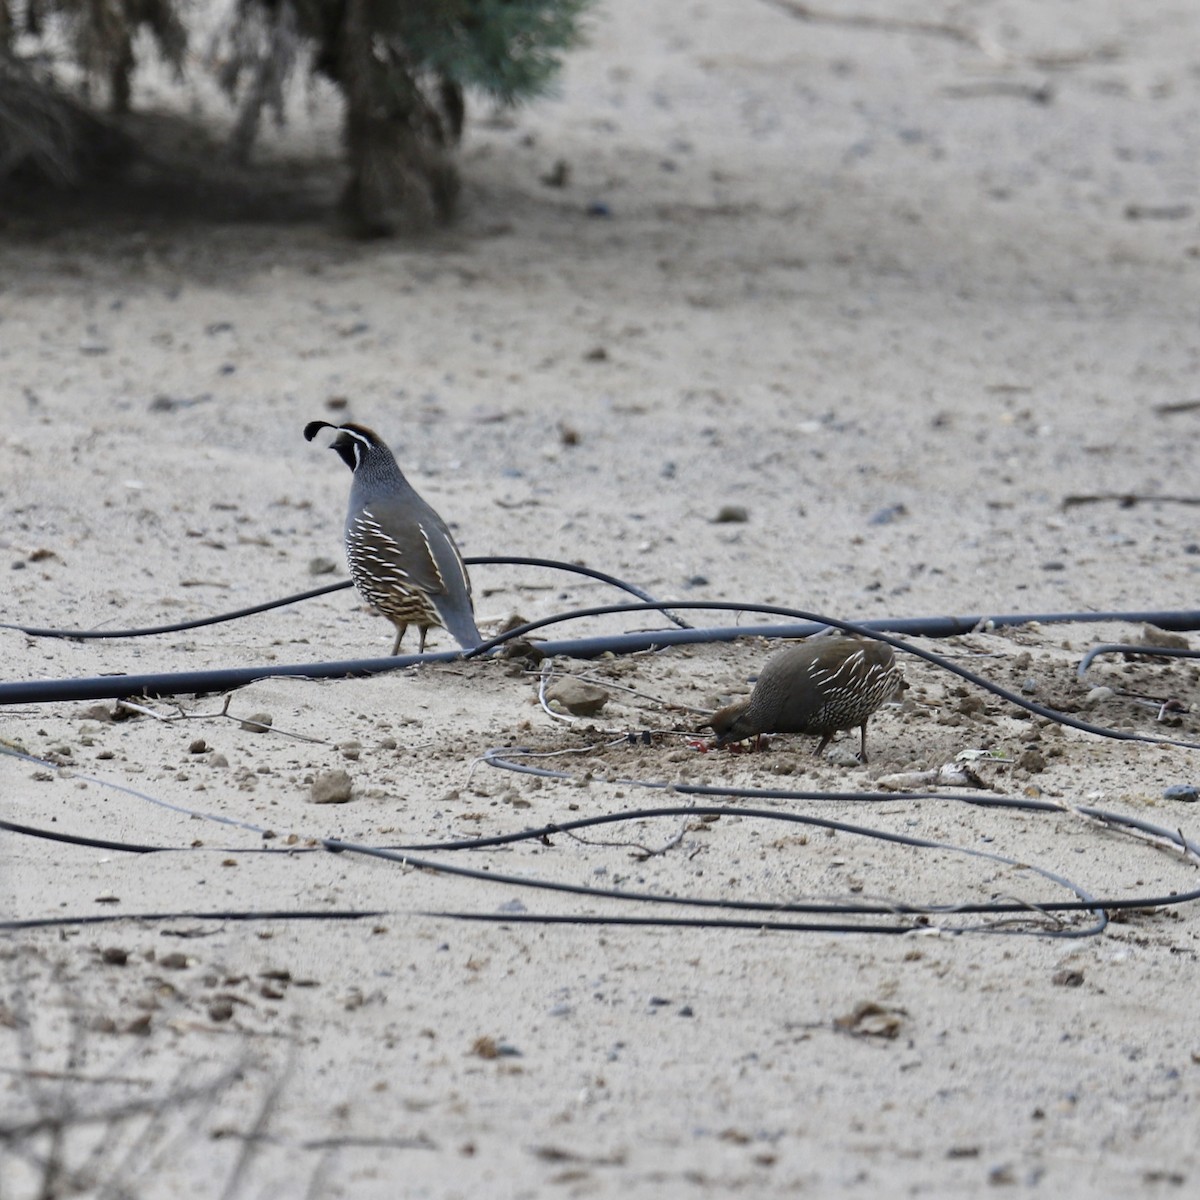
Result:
401,555
818,687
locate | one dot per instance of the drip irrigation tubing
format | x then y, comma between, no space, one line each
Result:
1128,648
196,682
798,623
404,855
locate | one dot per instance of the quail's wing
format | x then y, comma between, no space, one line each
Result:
396,553
417,554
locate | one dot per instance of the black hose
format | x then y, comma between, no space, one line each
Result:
116,687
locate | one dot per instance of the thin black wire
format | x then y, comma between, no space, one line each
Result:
1124,648
1173,837
351,914
406,858
863,631
341,585
401,854
179,626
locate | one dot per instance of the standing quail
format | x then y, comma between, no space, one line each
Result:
818,688
401,555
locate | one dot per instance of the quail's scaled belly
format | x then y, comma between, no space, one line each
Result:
374,561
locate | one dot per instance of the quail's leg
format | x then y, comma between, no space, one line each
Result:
399,637
821,748
862,756
423,630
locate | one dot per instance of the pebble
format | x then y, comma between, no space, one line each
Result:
332,787
1033,761
732,514
258,722
1189,793
1098,695
321,566
1153,636
578,698
885,516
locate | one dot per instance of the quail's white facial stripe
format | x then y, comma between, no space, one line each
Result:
361,444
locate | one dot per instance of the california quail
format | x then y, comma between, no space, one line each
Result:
401,555
818,687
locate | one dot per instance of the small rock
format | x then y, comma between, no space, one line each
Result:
1153,636
258,722
174,961
1189,793
885,516
217,760
1001,1175
1097,696
96,712
332,787
732,514
871,1020
559,175
220,1010
199,746
321,566
1067,977
1032,760
578,698
114,956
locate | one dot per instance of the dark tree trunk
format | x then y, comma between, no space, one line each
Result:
399,142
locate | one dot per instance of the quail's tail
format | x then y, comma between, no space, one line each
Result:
461,624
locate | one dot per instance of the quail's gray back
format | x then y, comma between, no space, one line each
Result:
401,555
819,687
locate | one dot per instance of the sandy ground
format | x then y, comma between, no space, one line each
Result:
899,294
